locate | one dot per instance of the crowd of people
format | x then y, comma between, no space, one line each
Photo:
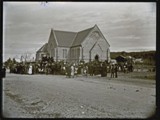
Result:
49,66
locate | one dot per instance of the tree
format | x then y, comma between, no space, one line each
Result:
123,53
8,62
14,61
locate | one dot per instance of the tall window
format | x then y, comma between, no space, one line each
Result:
78,53
64,53
52,52
75,50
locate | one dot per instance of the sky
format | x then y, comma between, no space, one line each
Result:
127,26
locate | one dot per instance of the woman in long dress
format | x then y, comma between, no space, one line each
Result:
76,71
72,71
30,70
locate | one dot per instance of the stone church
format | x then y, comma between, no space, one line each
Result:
76,46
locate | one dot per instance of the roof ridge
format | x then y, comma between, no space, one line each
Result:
86,29
65,31
75,32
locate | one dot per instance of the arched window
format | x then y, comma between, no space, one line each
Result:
64,53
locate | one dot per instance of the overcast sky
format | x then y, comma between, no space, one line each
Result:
126,26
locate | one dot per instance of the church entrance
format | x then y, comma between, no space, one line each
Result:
95,53
96,57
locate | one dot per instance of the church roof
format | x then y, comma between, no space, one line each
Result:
81,36
65,38
43,48
68,39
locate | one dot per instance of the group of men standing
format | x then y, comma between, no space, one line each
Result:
114,70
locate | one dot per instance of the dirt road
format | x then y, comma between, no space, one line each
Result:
55,96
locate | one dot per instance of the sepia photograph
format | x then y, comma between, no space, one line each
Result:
79,60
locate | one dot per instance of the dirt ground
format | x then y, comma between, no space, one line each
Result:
55,96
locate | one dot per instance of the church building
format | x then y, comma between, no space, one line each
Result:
76,46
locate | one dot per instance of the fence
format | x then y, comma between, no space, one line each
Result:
145,68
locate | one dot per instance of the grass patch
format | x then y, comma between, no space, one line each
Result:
139,75
150,77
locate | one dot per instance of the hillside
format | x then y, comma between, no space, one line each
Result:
147,56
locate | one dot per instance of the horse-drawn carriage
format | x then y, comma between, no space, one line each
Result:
125,63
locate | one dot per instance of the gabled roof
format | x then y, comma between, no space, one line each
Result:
65,38
102,34
68,39
81,36
71,39
43,48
